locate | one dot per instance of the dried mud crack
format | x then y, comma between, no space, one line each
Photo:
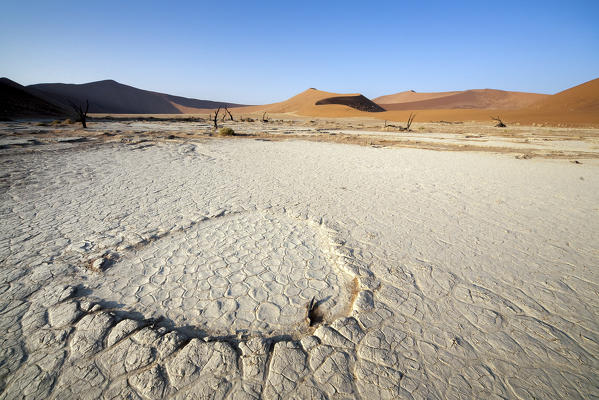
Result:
125,269
250,273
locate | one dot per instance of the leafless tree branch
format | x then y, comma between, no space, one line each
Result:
229,112
500,123
215,120
81,115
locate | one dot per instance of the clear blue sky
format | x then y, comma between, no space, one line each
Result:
259,52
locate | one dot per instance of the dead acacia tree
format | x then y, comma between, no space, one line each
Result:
500,123
264,117
229,112
215,119
410,120
81,115
409,124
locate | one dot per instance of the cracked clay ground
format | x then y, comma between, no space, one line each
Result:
182,269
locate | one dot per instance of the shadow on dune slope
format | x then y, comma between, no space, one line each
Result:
358,102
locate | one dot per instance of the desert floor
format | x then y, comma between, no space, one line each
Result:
153,259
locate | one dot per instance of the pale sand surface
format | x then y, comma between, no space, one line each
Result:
151,260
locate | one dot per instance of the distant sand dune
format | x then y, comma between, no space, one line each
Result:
582,98
313,102
477,98
410,96
578,106
109,96
17,101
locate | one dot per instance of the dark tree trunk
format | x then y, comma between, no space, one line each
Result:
81,115
500,123
215,120
229,112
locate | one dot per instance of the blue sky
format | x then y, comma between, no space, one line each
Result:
260,52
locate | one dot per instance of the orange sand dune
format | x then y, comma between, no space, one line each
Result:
575,106
578,106
410,96
582,98
329,105
476,98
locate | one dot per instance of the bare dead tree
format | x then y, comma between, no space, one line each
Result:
409,124
410,120
500,123
81,115
264,117
229,112
215,119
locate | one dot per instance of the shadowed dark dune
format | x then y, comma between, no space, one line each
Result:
358,102
111,97
17,101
